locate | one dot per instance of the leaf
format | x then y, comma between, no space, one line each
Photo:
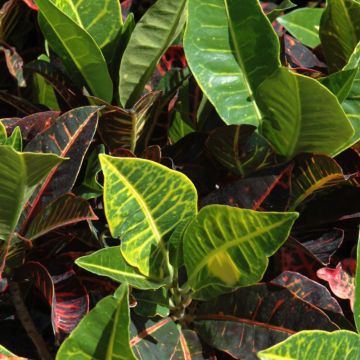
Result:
306,345
301,115
159,206
121,128
254,318
65,210
152,303
20,104
179,128
20,173
284,5
262,192
239,148
109,262
357,288
103,333
340,32
79,51
15,65
308,290
152,35
69,136
176,254
154,338
223,50
225,247
314,173
63,292
304,24
341,280
101,19
8,355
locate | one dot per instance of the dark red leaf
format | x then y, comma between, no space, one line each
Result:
20,104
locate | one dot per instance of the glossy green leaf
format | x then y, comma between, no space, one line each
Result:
357,288
225,45
313,173
239,148
20,173
142,213
284,5
340,31
303,24
14,140
152,35
152,303
301,115
65,210
80,53
179,128
310,345
103,333
101,19
109,262
226,247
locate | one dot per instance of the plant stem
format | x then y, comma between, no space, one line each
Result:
27,322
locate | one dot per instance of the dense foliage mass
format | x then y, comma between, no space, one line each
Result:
179,179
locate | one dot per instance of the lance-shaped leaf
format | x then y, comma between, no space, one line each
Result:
314,173
340,31
103,333
122,128
110,262
152,35
82,56
101,19
254,318
225,45
151,338
226,247
65,210
20,104
308,290
69,136
62,290
304,24
301,115
308,345
239,149
20,173
140,213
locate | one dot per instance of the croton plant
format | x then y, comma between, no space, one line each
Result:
179,179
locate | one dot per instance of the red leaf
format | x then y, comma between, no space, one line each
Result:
31,4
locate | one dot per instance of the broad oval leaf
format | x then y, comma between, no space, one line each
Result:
226,247
301,115
80,53
340,31
304,24
225,45
102,19
144,201
307,345
152,35
20,173
110,262
102,334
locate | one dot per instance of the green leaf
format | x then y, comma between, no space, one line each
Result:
65,210
357,288
226,54
316,344
284,5
340,32
152,303
109,262
303,24
301,115
179,128
20,173
9,354
239,148
104,333
226,247
190,346
101,19
81,55
144,201
152,35
176,244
